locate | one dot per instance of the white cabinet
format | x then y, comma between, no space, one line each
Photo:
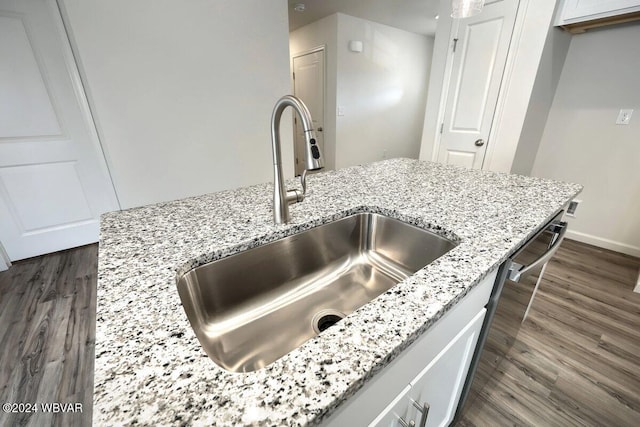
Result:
396,411
431,398
432,370
580,15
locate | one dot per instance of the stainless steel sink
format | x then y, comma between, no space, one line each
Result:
254,307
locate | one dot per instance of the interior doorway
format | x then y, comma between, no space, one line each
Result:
309,86
479,47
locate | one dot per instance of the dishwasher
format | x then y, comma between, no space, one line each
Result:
516,284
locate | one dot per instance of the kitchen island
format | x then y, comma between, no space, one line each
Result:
150,367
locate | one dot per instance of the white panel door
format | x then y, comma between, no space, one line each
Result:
54,182
308,85
481,44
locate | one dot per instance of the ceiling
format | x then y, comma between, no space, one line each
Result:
417,16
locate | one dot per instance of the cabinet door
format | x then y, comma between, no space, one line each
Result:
580,10
380,393
439,385
398,409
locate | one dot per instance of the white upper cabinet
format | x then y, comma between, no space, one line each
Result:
580,15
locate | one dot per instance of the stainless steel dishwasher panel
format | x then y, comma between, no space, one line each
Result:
516,284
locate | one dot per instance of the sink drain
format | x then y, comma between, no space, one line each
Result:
326,318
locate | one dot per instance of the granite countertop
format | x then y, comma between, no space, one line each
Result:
150,368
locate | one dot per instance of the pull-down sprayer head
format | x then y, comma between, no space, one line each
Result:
312,157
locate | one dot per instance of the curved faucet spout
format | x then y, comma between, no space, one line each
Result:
313,157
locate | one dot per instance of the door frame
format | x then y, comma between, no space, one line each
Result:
320,48
534,21
448,70
76,74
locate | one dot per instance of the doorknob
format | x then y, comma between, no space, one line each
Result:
479,142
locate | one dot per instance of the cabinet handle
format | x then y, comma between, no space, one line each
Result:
424,410
517,271
403,423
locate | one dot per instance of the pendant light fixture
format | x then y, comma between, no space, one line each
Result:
466,8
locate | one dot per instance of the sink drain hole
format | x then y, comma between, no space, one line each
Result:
326,319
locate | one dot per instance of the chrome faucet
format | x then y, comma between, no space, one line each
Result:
313,159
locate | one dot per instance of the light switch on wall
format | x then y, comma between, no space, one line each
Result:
624,117
340,110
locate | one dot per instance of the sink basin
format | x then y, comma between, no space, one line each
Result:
251,308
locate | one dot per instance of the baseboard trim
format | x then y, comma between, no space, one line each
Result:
4,259
604,243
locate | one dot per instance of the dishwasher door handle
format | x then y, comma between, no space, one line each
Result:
518,271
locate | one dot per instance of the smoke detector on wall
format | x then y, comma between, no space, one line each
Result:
355,46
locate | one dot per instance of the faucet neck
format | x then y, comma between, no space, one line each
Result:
312,158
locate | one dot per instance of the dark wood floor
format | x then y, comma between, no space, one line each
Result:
47,336
576,360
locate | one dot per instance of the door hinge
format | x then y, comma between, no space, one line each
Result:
455,43
294,76
441,127
295,120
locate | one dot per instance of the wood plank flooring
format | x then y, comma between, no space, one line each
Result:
47,336
576,360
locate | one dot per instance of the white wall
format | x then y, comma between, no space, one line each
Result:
382,90
544,89
582,143
182,92
322,33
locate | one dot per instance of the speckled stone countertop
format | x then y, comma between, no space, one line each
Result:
150,368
